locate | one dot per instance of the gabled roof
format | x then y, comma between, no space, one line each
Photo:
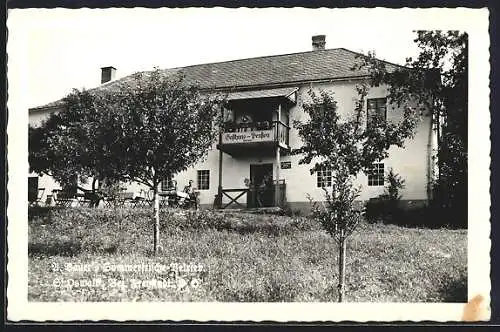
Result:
267,71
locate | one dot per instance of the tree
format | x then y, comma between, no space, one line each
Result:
73,143
144,131
159,127
437,80
64,145
346,146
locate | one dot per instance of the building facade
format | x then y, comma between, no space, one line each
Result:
251,164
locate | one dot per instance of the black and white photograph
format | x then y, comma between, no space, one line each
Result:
248,164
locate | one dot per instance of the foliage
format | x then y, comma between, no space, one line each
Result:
149,129
330,140
338,214
111,189
64,144
395,183
260,258
162,126
386,207
437,80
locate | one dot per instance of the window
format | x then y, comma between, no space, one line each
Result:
70,188
376,111
203,179
324,178
168,184
376,175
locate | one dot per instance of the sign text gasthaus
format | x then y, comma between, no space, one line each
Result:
248,137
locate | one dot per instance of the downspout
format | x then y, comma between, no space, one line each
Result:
433,141
429,160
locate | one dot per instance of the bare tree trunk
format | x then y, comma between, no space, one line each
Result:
94,200
156,212
440,144
342,250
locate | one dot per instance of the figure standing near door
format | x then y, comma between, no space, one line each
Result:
264,187
261,178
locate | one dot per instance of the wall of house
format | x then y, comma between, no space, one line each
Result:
411,162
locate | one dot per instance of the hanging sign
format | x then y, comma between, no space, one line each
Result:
286,164
248,137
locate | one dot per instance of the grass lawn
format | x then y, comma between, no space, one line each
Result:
94,254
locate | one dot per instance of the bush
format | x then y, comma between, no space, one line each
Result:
394,184
385,208
382,209
286,210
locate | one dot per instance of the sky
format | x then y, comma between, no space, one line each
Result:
52,51
55,50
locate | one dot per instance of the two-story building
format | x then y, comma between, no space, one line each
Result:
251,164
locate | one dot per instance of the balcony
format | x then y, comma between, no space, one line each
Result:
258,138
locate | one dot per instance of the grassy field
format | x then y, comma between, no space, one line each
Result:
93,255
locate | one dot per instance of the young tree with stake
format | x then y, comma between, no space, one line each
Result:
144,131
165,127
346,146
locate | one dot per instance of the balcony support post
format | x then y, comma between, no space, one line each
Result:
218,199
278,162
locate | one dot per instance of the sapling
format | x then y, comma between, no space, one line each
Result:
344,147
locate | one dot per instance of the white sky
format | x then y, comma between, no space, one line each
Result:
55,50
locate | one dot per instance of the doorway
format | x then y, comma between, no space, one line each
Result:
32,188
261,189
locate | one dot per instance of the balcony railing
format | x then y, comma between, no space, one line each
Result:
265,131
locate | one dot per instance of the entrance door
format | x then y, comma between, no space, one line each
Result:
261,191
32,188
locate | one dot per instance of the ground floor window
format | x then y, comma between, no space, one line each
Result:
70,188
376,175
203,179
324,178
168,184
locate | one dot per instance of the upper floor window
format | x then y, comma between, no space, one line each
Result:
324,178
376,111
376,175
204,179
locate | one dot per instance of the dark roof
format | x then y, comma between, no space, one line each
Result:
277,70
266,93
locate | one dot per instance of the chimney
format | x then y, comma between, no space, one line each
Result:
318,42
107,74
